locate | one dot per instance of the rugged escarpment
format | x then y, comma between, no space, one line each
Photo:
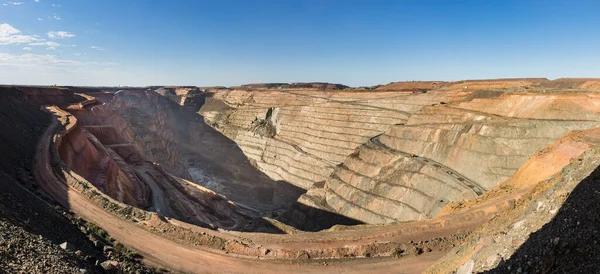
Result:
191,98
86,149
100,147
381,157
185,146
310,132
31,225
420,166
550,227
464,171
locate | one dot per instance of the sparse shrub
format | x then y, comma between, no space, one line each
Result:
397,252
120,249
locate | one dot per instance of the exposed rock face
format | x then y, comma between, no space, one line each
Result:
313,85
96,153
549,229
385,157
88,150
30,227
398,156
443,144
314,131
185,146
191,98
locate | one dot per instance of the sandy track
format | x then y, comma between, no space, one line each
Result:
188,258
176,256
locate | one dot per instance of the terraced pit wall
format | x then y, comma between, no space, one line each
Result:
382,157
314,131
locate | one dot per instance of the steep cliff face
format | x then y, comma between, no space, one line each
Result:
382,157
310,131
452,152
28,224
486,160
180,141
550,227
435,164
91,156
191,98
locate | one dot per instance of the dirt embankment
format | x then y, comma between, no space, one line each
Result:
31,225
510,241
384,241
346,249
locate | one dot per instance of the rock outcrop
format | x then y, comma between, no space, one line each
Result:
382,157
493,174
180,141
87,149
314,131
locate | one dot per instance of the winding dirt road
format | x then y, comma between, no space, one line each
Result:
190,258
164,252
179,257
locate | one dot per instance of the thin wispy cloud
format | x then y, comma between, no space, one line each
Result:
36,1
49,44
13,3
51,48
60,34
40,19
28,60
54,17
7,59
12,36
27,48
97,48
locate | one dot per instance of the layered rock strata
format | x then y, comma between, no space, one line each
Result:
311,132
382,157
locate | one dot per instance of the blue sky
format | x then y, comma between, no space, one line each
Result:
197,42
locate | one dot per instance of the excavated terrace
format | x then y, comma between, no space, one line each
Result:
239,177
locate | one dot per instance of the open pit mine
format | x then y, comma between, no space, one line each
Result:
408,177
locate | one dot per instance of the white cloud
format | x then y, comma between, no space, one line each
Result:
49,44
6,30
36,0
55,5
50,48
13,3
47,69
71,46
97,48
78,53
40,19
10,35
7,59
54,16
27,48
60,34
102,63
